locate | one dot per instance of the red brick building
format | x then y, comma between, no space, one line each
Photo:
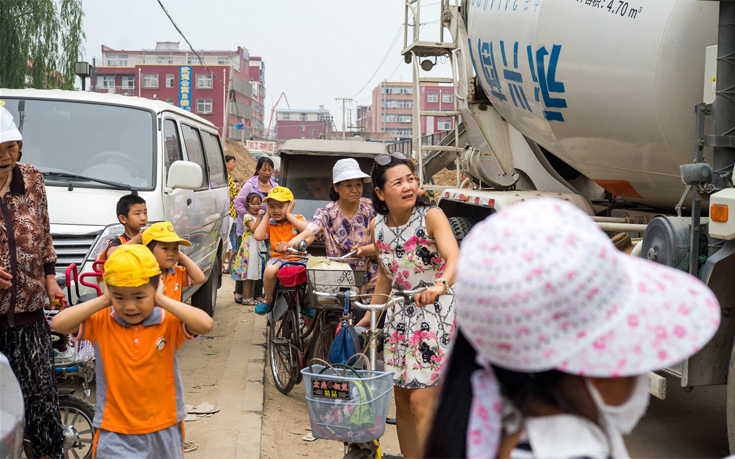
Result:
179,78
392,109
303,124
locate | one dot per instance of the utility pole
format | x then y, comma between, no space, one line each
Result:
344,100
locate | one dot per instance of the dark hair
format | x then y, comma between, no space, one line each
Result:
252,196
263,160
378,177
333,195
229,158
524,390
126,202
152,245
236,181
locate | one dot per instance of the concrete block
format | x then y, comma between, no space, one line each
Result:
255,372
253,399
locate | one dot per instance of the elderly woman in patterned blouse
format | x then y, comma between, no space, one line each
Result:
344,224
27,276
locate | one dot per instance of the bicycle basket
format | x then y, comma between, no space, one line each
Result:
350,407
333,281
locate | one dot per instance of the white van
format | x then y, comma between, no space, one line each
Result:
94,148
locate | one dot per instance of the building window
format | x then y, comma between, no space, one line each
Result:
192,60
128,82
222,60
303,127
170,101
432,97
447,98
122,60
164,60
302,116
150,80
105,82
285,117
112,59
204,81
170,80
204,106
444,125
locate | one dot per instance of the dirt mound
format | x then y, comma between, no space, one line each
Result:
244,161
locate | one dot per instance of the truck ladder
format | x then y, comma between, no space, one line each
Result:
413,52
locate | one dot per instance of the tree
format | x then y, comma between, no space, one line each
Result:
40,41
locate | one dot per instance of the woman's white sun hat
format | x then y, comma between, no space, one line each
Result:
8,130
539,287
348,169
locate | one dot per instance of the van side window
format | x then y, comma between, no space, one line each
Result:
215,160
193,143
171,143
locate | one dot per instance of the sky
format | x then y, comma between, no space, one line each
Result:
314,50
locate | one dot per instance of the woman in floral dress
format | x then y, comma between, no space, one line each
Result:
416,248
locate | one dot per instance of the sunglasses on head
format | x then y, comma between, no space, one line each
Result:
384,160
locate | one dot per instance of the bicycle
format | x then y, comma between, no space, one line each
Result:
286,332
369,446
74,361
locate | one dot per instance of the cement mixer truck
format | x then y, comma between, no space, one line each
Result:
625,108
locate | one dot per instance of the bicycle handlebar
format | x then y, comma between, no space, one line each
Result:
306,256
403,296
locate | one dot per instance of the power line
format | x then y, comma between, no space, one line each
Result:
393,44
188,43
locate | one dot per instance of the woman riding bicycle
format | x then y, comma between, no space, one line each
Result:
343,225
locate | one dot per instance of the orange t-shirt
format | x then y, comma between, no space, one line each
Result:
176,279
139,389
282,232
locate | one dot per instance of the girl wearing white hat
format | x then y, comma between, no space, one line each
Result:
416,248
342,225
556,334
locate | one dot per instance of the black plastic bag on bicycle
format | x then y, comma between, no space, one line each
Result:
346,343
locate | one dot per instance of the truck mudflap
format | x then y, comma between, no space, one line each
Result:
710,365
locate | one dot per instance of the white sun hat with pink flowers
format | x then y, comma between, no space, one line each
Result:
539,287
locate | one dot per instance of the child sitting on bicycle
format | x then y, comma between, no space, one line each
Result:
248,266
140,408
278,225
164,243
133,214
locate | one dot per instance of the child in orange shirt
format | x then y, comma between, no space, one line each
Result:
140,400
163,241
277,225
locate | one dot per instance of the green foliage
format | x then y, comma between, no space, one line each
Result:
40,40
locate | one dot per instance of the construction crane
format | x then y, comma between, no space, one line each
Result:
273,111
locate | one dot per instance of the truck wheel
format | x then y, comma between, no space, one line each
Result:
206,297
460,227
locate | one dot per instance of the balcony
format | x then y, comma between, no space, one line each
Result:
126,91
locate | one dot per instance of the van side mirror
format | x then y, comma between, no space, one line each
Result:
184,174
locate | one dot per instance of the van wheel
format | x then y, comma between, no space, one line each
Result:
460,227
206,297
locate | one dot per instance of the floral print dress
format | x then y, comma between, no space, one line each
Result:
248,264
417,339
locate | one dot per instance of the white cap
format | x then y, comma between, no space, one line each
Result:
8,131
348,169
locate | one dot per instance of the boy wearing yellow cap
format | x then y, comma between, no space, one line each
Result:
140,399
163,241
279,225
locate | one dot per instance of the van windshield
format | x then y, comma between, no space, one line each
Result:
104,142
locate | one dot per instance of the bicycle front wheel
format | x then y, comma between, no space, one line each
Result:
281,353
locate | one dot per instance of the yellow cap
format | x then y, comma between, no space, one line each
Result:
279,193
130,265
163,232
